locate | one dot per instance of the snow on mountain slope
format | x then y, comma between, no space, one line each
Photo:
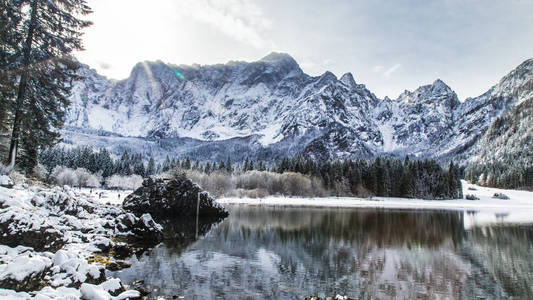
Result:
431,122
276,106
476,115
208,103
419,120
508,143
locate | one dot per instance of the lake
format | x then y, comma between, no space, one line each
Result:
263,252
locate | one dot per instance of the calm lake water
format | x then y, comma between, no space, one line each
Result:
364,253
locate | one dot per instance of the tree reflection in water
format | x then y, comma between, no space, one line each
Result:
288,253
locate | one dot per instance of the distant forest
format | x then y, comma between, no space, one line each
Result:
506,174
297,176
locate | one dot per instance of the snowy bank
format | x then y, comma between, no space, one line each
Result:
49,236
519,207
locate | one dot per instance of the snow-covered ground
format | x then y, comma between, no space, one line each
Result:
518,209
115,197
65,227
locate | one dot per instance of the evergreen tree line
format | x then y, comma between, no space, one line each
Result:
101,162
387,177
37,39
506,174
382,176
98,162
210,167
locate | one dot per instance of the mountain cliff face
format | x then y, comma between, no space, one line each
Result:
503,157
271,107
419,122
480,113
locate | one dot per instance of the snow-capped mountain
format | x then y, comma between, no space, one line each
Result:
503,157
509,139
476,115
271,107
417,122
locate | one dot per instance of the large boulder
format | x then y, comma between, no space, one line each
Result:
170,198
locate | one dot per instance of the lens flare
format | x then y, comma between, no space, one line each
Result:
151,78
180,76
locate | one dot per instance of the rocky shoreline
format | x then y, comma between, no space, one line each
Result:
56,242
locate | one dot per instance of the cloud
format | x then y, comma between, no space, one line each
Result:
386,72
391,70
241,20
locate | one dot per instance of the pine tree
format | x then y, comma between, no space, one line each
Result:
150,169
454,182
245,165
28,151
327,181
373,180
106,163
229,168
251,166
51,30
186,164
386,184
124,164
297,165
138,165
283,165
10,17
408,181
166,164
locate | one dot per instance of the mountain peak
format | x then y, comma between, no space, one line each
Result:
439,84
348,79
327,77
274,57
516,85
438,90
283,62
438,81
524,71
526,64
146,66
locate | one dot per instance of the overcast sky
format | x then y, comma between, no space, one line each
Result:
388,45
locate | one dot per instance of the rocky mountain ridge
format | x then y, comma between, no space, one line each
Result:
271,107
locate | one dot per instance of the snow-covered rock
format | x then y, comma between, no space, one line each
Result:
22,269
6,181
171,198
49,218
13,295
47,236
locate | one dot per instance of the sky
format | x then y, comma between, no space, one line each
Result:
390,46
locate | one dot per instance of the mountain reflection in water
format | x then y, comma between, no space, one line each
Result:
289,253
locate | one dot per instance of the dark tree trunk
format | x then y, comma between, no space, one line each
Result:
23,83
